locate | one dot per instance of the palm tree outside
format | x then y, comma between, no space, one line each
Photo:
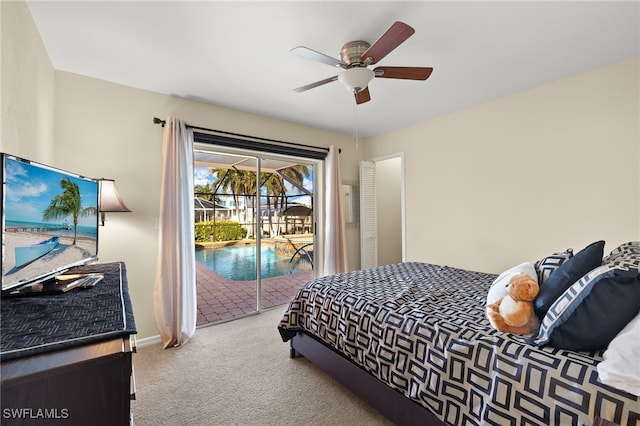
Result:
205,192
274,184
243,183
274,188
235,181
69,203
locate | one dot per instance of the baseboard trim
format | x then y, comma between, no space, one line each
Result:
148,341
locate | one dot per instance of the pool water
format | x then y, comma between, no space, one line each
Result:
238,263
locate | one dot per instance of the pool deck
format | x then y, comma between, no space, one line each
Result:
221,299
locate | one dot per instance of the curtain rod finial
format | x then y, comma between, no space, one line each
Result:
156,120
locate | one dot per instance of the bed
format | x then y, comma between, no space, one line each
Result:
412,340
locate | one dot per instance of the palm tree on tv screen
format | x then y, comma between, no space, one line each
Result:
68,203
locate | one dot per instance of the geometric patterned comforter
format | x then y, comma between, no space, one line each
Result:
421,329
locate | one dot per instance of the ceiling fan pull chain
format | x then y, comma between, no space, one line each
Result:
355,121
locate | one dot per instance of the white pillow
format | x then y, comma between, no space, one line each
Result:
620,367
498,289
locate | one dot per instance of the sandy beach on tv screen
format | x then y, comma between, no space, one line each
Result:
63,254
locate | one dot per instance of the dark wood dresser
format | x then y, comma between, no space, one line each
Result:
66,358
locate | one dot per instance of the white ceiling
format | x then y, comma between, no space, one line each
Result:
235,54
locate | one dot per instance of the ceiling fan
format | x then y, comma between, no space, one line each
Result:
356,56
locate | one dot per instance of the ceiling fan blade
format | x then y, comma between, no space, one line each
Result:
363,96
392,38
406,73
307,53
316,84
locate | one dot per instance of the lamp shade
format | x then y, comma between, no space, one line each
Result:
356,79
110,200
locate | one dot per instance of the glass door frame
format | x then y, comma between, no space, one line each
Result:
318,204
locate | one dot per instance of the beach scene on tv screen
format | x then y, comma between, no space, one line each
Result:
50,220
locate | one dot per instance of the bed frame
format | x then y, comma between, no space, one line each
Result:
389,402
386,400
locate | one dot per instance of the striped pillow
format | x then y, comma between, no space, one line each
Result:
545,267
588,315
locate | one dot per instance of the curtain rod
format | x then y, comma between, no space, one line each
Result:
157,120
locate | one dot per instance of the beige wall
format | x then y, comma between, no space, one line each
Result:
26,86
389,210
515,179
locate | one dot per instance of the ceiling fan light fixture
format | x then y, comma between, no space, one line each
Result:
356,56
356,79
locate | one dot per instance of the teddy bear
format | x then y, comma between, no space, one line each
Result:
514,312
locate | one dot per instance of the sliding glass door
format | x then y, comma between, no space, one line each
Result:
254,230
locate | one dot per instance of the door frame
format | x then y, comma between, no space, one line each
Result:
318,189
402,218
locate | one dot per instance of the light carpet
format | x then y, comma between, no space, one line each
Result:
240,373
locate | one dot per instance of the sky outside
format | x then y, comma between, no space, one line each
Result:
30,188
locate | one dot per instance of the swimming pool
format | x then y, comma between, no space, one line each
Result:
238,263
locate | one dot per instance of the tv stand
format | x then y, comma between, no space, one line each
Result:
56,374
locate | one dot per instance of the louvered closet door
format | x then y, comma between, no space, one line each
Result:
368,221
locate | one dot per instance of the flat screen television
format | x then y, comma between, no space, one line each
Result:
49,221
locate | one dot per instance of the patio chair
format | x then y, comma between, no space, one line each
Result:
302,250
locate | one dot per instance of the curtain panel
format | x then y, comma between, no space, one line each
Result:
335,241
175,303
